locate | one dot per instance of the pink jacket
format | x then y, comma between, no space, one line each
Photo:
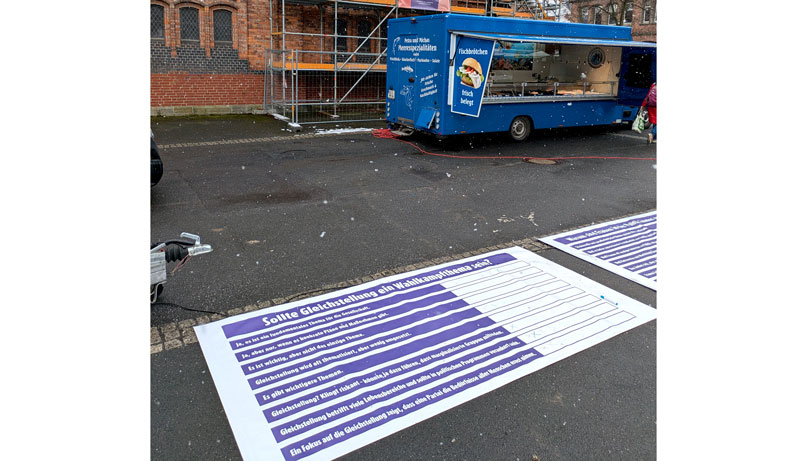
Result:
651,107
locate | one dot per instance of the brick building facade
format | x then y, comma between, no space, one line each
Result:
209,56
200,58
639,15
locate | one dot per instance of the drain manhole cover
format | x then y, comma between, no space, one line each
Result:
540,161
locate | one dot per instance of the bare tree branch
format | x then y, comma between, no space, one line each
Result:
607,8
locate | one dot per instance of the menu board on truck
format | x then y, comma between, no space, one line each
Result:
473,56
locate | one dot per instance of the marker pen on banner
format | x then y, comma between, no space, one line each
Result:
612,302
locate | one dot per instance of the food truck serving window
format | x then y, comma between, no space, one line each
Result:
532,66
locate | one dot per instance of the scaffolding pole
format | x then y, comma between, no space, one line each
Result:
335,51
319,70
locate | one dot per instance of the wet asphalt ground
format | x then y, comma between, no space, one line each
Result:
290,215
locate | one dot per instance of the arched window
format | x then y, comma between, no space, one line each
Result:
156,21
223,26
341,29
647,15
627,18
363,28
613,9
190,23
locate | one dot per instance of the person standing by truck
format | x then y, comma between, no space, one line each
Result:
650,103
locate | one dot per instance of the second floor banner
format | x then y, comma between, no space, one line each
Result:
435,5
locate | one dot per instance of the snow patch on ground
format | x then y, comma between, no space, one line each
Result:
343,130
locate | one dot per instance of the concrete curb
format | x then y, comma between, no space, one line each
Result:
179,334
233,109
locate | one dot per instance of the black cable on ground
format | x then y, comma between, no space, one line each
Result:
187,308
299,295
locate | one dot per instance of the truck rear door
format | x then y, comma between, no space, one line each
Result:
637,73
402,84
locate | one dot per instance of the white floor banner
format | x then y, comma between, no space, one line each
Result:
626,246
317,378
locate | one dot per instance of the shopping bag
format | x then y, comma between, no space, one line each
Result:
638,122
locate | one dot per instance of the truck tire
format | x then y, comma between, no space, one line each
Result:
520,128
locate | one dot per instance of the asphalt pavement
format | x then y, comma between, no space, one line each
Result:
297,214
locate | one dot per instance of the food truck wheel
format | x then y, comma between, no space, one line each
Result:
520,128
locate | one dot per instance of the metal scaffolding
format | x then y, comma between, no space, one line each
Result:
547,10
334,81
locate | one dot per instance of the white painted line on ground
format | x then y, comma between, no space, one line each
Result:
265,139
632,136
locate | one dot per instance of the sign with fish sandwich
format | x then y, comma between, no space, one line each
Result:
472,58
470,73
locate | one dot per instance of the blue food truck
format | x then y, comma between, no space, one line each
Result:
453,74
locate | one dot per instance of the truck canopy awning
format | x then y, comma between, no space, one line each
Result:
551,39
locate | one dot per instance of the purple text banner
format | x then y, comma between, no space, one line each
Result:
626,247
318,378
